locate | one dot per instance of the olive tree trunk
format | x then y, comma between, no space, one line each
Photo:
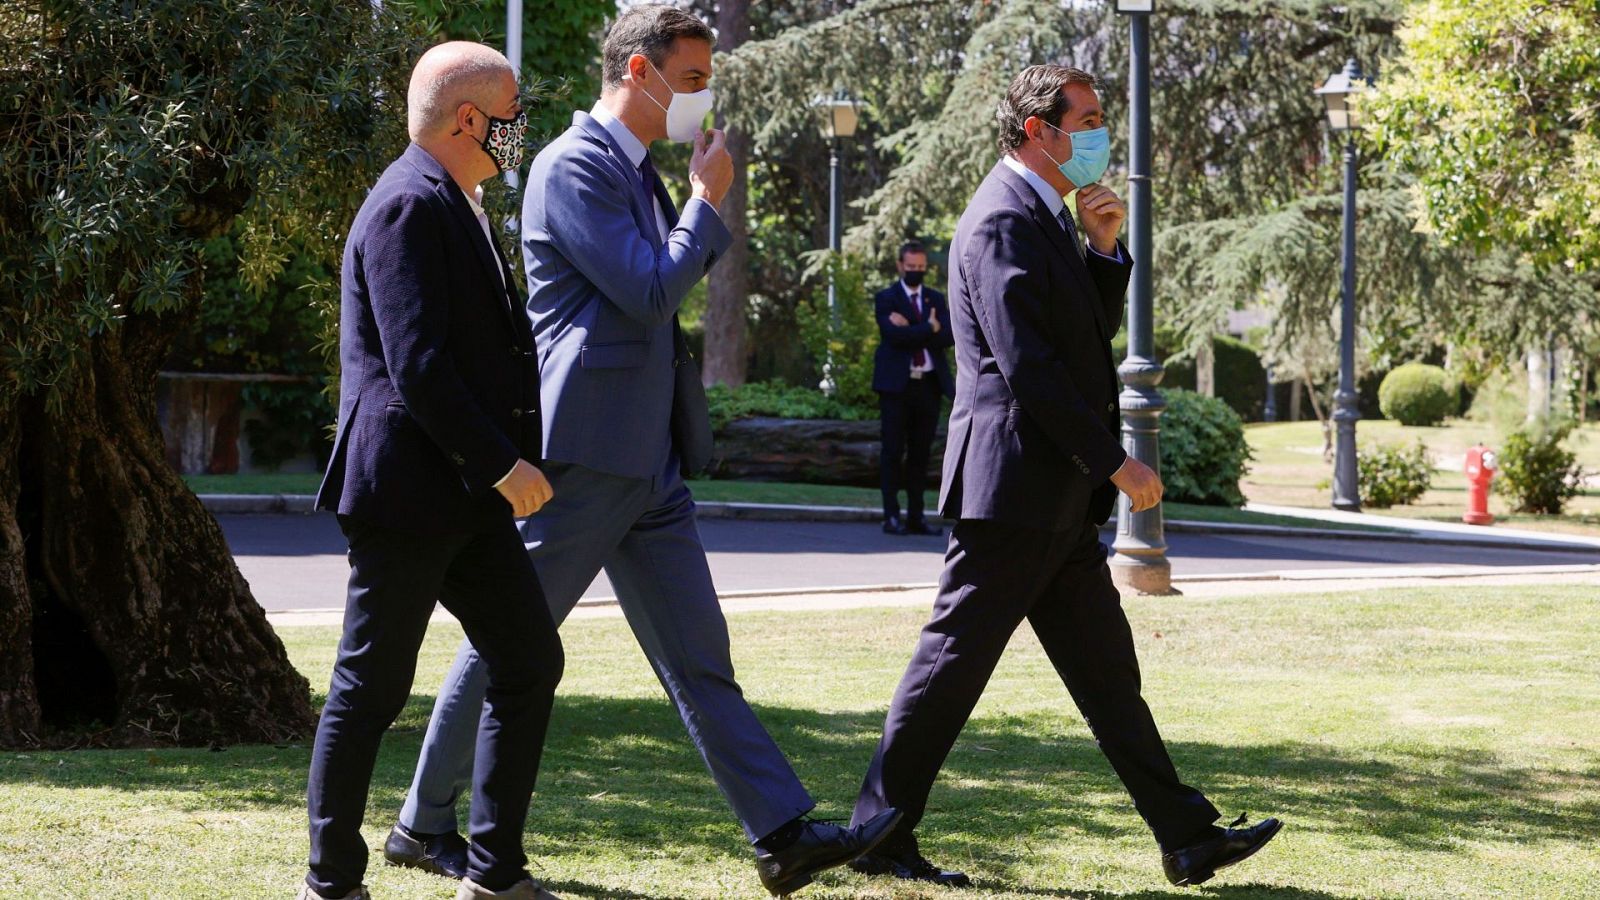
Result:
123,619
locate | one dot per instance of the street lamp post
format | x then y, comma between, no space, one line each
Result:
1140,563
837,116
1338,92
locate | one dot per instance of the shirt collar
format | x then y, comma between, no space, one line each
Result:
910,291
475,200
630,144
1052,200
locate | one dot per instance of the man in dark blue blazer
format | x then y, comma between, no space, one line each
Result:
438,446
911,375
1031,468
609,259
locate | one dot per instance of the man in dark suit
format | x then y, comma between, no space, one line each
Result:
1031,468
609,258
910,374
438,448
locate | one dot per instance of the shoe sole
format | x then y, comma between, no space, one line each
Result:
432,868
1203,877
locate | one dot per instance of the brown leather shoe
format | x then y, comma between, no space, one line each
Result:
526,889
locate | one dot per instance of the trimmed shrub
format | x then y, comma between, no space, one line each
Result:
774,398
1418,394
1241,380
1393,475
1203,450
1539,474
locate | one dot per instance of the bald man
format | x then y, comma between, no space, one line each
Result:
438,451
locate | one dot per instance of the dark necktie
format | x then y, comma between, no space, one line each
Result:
654,187
1072,233
921,359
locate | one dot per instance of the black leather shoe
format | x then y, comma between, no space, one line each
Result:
1197,863
439,854
893,525
821,845
901,858
918,526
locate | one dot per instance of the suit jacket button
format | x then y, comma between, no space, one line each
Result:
516,414
458,459
1111,407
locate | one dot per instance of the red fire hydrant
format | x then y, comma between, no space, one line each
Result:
1480,470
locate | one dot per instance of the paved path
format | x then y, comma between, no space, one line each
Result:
296,562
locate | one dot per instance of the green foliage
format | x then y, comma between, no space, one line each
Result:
772,398
1419,394
1203,450
560,50
1492,106
1540,475
1240,379
294,420
1393,474
847,336
130,134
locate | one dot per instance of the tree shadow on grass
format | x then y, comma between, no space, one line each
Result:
619,774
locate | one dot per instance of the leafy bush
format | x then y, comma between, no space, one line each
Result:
851,340
1418,394
774,398
1203,450
1393,475
1540,475
1240,378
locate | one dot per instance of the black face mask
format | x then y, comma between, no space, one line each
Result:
912,277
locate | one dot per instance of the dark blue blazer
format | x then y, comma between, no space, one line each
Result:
1034,430
439,383
898,344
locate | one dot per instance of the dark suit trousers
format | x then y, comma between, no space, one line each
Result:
909,419
995,576
485,580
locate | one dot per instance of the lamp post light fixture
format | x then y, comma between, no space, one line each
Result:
1338,93
1140,563
837,117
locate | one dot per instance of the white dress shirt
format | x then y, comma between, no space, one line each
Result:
635,151
914,294
1052,200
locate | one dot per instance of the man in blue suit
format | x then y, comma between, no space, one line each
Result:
1030,470
438,448
609,260
911,375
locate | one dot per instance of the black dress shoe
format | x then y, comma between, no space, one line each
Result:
893,525
918,526
821,845
1196,863
439,854
900,857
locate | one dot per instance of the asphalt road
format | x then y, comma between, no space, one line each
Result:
297,561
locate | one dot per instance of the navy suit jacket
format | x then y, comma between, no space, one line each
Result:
1034,427
438,386
898,344
603,294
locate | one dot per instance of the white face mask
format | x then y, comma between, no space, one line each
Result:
686,113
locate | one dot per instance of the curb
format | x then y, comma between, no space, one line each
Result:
304,504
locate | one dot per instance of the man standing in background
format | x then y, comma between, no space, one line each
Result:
911,375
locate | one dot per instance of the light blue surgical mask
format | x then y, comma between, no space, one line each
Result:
1091,154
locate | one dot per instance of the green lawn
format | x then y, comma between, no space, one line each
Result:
1289,468
1431,743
